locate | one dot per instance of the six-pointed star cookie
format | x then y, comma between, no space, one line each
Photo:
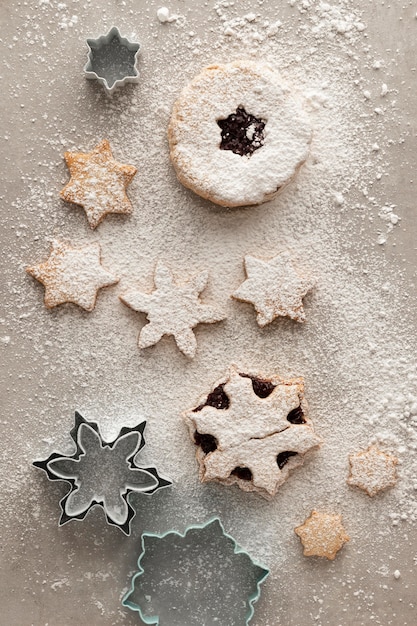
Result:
275,288
322,534
98,183
372,470
172,309
102,473
72,275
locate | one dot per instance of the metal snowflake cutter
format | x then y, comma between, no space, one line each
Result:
199,577
112,60
103,474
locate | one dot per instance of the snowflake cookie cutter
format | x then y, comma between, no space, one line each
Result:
203,561
112,60
102,473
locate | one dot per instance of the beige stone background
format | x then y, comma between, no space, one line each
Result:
56,362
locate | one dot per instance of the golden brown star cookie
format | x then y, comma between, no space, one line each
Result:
98,183
322,534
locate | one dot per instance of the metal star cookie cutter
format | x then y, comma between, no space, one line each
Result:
199,577
112,60
103,474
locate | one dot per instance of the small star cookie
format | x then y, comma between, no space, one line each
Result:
172,309
275,288
322,534
72,275
372,470
98,183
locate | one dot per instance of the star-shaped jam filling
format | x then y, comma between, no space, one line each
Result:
322,534
242,133
172,309
102,473
252,432
372,470
112,59
72,275
98,183
275,288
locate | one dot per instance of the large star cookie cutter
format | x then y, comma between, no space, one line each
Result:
112,60
199,577
103,474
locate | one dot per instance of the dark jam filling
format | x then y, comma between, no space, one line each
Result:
296,416
261,388
216,398
242,133
243,473
282,458
207,443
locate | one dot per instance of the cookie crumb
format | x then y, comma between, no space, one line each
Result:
163,14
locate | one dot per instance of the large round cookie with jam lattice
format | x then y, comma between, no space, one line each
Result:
237,134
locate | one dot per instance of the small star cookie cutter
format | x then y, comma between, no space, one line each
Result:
103,474
199,577
112,60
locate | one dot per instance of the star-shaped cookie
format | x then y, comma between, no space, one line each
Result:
72,275
98,183
275,288
372,470
172,309
322,534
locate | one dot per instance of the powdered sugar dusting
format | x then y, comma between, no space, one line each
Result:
356,350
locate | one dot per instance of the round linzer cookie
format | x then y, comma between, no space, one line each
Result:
237,135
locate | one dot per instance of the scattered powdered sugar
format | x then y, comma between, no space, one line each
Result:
391,219
163,14
355,350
